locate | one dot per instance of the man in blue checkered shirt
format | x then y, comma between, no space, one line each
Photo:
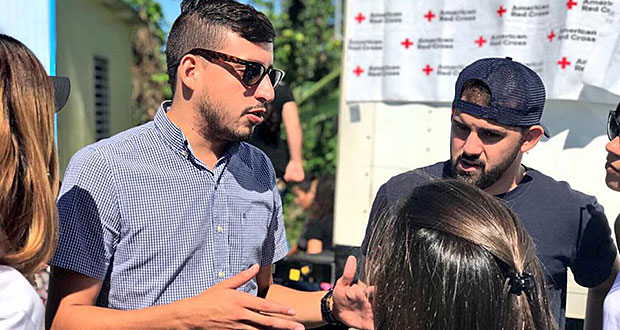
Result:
176,223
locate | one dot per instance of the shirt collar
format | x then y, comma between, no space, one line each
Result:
171,134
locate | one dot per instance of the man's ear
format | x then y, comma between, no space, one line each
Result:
531,137
187,73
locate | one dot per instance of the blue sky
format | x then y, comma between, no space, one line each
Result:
172,9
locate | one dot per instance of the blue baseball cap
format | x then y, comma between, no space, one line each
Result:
517,92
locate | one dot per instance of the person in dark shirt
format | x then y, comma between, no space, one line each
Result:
287,162
316,197
496,115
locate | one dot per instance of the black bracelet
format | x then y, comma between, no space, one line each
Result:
326,312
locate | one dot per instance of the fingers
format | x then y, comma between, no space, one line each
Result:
240,279
349,271
370,290
293,176
370,293
265,306
354,294
271,322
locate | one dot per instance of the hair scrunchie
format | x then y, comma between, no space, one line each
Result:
523,282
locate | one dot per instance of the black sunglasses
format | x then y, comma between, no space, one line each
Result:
613,124
253,73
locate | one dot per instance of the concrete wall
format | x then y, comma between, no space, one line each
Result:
89,28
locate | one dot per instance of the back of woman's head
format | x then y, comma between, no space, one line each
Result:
29,176
450,256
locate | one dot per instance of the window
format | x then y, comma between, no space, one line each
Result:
102,98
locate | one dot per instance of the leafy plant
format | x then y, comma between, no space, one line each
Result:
306,48
150,81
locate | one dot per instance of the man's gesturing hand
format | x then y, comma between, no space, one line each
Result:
351,304
223,307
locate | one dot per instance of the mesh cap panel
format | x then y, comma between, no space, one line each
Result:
517,92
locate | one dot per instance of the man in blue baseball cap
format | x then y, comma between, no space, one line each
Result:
496,112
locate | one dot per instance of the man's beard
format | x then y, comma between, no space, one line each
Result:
213,126
484,177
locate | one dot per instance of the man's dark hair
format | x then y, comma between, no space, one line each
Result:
203,23
323,204
477,92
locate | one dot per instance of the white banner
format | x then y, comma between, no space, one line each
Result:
603,71
403,50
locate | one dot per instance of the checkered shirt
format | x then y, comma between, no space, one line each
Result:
141,213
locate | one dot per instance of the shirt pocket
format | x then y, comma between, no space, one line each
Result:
255,221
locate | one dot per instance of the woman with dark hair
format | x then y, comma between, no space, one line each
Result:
28,182
611,306
453,257
316,197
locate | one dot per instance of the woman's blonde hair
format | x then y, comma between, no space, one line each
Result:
28,159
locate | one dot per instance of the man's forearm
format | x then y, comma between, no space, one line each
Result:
91,317
294,145
594,311
294,135
306,304
596,298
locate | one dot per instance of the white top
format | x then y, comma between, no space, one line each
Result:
20,306
611,307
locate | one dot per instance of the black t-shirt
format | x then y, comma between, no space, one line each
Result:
568,227
321,229
266,136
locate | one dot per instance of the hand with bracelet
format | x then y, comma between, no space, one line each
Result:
349,302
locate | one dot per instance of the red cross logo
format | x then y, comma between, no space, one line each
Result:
480,41
551,36
429,16
360,18
407,43
358,71
427,70
501,11
564,63
570,4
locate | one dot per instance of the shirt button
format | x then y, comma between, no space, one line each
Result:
220,229
221,274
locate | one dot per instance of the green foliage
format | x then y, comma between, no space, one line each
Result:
150,81
294,217
151,13
305,48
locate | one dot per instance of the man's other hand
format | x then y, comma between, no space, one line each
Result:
351,305
223,307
